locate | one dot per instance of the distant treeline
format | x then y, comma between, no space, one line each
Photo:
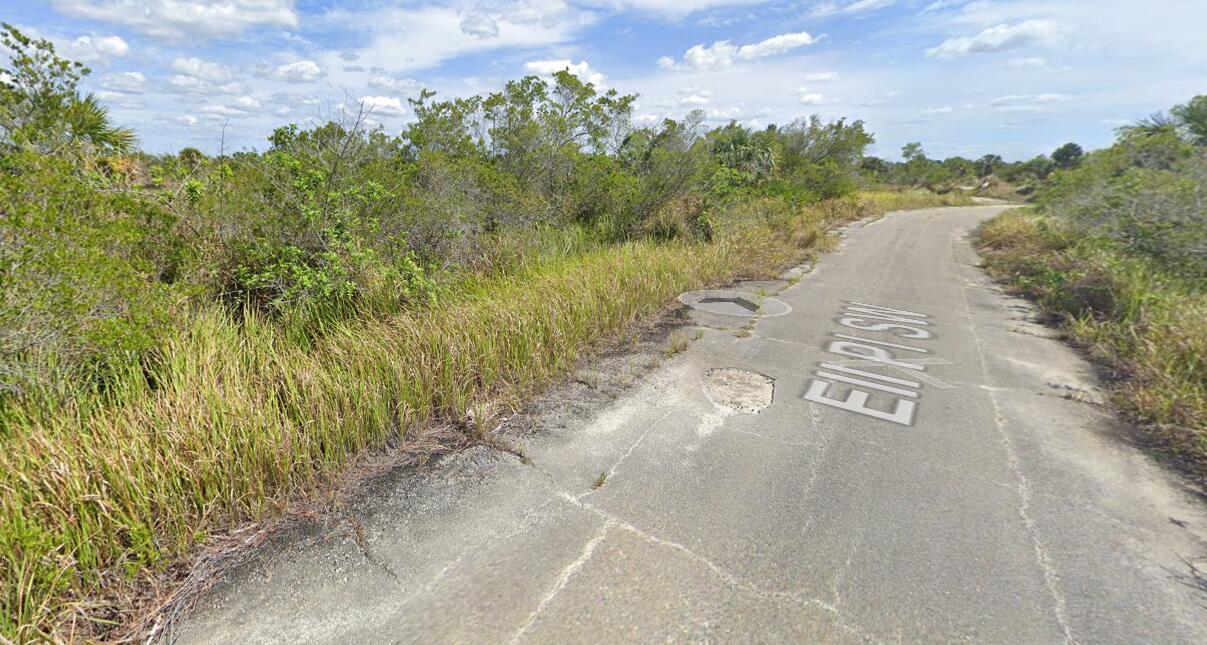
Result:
960,173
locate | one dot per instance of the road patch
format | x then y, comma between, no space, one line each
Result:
739,390
734,303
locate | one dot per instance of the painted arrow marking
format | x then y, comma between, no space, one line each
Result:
741,302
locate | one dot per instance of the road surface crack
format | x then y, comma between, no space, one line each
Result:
841,575
563,579
362,545
1022,487
616,465
720,572
815,464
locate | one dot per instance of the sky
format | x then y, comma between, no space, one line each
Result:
964,77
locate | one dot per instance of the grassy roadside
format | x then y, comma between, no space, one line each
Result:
96,501
1146,324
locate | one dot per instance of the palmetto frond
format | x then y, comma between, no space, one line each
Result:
88,122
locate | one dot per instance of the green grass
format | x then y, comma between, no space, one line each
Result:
99,499
1144,323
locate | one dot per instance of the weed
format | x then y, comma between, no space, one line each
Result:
678,343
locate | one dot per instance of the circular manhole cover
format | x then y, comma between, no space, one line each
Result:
734,303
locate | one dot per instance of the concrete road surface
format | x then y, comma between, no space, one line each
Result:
903,455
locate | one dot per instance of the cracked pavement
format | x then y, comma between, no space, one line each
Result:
994,512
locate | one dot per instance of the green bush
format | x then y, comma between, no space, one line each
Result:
85,278
1144,195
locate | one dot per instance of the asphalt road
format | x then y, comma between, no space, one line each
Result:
926,464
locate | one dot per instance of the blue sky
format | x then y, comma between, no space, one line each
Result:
1012,77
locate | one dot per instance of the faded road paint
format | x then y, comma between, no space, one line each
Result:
872,393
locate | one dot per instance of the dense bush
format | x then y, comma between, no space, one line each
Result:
1144,194
88,278
103,247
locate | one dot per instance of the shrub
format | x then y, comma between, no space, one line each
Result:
85,278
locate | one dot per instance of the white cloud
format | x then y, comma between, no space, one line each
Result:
390,84
401,39
182,84
673,9
224,111
182,19
939,5
303,71
238,108
202,70
124,82
703,97
193,75
246,103
479,25
120,99
859,6
936,111
187,120
723,54
780,44
999,38
810,98
818,77
383,105
1033,62
580,69
732,112
1027,102
90,49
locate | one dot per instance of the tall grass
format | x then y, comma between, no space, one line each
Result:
237,418
1144,322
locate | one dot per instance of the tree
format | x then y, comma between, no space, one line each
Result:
1192,118
40,103
1155,124
959,167
1068,155
1040,167
811,141
989,164
913,150
753,155
874,166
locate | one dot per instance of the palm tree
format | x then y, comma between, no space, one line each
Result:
1153,124
40,105
88,123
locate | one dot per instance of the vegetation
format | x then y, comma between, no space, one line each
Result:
187,342
989,175
1117,250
